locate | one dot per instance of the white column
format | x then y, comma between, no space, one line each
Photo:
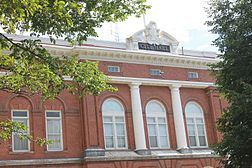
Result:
178,117
137,114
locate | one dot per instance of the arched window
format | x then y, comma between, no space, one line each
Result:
114,124
195,125
157,125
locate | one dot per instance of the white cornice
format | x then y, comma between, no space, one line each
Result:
158,82
155,82
131,56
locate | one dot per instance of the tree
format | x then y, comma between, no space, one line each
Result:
30,69
232,21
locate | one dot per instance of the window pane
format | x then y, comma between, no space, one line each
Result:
193,110
112,106
190,129
56,145
107,119
109,141
161,120
119,119
202,140
162,130
200,129
52,114
53,126
193,75
163,141
113,69
19,113
189,120
151,120
154,107
121,142
155,72
192,140
24,121
152,130
20,120
199,120
153,141
120,129
108,129
20,144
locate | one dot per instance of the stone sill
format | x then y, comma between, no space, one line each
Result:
155,155
114,156
40,162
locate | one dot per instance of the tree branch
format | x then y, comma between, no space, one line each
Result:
31,52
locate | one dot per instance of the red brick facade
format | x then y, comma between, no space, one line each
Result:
82,121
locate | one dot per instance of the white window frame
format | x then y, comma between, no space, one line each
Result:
156,116
195,126
114,115
28,129
155,70
119,70
61,131
196,75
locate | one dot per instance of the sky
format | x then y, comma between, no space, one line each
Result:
183,19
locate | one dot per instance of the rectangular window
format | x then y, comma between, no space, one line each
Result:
193,75
155,72
157,130
114,131
113,69
20,145
54,130
196,132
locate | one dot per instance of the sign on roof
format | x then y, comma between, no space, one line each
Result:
152,39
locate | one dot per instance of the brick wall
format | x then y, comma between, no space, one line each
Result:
82,118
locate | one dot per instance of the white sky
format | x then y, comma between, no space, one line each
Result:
183,19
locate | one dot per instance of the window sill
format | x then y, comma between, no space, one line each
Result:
116,150
59,151
21,152
199,148
160,149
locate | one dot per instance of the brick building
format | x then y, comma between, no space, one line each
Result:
163,115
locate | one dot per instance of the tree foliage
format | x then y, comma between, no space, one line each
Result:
232,21
27,68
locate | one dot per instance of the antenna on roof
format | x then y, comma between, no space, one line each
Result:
114,31
144,21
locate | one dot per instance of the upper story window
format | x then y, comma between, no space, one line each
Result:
114,124
195,125
54,130
155,72
113,69
157,125
192,75
20,145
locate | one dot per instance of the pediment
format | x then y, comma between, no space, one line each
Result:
151,36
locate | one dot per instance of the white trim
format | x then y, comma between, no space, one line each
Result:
155,82
61,131
156,116
132,56
195,126
158,82
198,61
113,115
28,130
